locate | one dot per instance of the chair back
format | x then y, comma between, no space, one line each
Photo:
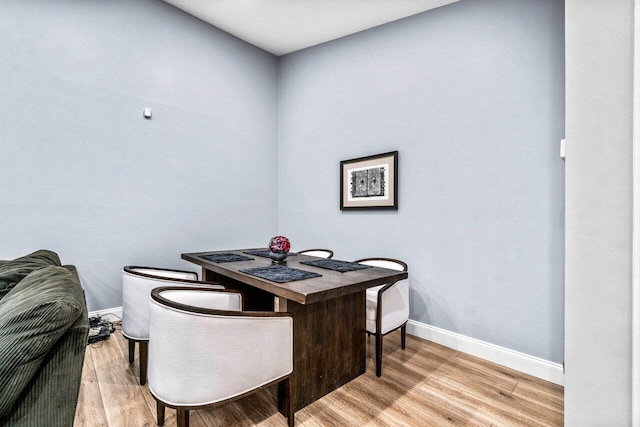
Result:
203,349
137,283
320,253
393,299
390,263
162,272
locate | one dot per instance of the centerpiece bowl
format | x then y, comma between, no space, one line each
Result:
279,248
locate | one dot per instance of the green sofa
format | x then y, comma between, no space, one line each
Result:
43,337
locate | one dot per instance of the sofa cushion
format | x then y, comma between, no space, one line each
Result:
33,316
43,256
12,272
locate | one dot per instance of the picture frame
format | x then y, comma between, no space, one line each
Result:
369,182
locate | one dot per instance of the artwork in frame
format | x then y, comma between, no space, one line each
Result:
369,182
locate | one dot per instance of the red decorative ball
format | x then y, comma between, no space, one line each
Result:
279,244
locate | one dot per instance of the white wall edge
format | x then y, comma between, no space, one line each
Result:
635,251
531,365
112,314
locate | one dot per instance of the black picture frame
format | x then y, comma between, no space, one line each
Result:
369,182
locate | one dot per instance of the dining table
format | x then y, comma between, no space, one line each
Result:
327,299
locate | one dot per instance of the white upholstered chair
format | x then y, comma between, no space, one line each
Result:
204,351
137,283
320,253
387,306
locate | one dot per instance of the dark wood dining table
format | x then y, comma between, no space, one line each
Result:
329,336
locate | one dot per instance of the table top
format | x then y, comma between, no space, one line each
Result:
331,284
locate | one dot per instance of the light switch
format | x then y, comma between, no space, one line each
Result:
147,113
562,152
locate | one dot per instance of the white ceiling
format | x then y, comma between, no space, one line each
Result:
284,26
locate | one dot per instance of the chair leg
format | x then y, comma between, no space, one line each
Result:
286,399
160,412
132,351
183,417
378,354
290,401
143,347
403,336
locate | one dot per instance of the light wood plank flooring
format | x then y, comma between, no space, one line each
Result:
424,385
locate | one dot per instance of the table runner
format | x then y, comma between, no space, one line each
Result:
226,257
280,273
336,265
262,252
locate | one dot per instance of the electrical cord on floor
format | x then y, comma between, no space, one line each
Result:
99,329
114,315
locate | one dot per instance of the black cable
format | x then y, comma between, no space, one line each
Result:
99,329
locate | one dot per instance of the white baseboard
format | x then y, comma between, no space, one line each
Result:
531,365
112,314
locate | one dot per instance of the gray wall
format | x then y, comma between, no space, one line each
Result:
599,213
85,175
472,96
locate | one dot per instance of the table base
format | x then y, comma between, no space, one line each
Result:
329,339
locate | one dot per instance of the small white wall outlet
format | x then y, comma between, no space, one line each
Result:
146,113
562,152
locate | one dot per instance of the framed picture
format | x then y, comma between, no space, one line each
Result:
369,182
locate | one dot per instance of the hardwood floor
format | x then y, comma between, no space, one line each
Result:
424,385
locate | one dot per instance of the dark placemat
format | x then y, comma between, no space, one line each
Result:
263,252
226,257
336,265
280,273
